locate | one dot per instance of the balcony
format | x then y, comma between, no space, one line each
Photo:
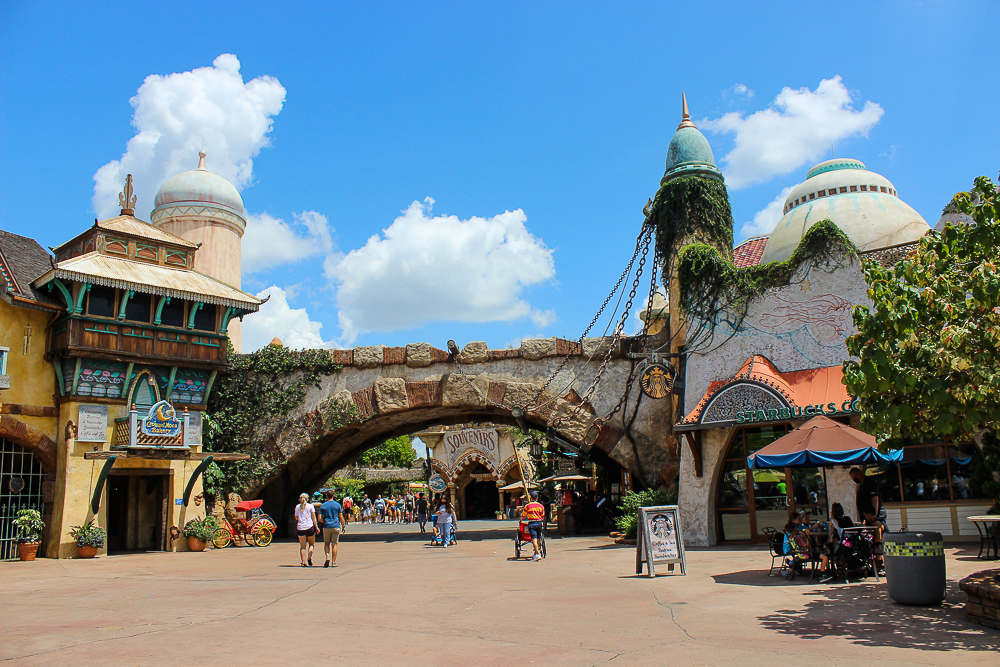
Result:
147,343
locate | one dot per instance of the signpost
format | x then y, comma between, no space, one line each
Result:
437,483
659,540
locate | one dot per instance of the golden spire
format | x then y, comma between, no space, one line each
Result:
201,161
685,116
126,198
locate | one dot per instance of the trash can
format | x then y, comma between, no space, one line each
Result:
915,567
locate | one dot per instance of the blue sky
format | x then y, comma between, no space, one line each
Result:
499,155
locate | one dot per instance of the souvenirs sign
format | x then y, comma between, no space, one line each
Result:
656,380
484,440
92,424
161,421
659,540
437,483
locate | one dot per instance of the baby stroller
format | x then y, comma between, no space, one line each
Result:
452,540
857,554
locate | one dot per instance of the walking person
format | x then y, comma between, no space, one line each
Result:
445,520
379,510
332,515
305,526
422,513
347,505
532,514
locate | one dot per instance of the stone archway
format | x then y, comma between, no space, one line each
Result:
41,445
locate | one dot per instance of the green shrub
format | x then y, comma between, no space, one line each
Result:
29,526
201,529
89,535
628,522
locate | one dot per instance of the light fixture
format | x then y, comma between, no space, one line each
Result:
535,449
453,347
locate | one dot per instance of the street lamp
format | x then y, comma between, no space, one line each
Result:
535,449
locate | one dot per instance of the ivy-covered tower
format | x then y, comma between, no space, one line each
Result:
691,206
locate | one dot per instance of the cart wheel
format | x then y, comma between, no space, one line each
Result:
517,551
221,538
541,544
262,537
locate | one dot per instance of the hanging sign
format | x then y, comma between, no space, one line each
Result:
437,483
659,540
92,424
161,421
192,435
656,380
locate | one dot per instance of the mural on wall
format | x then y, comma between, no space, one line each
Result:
99,379
797,326
189,386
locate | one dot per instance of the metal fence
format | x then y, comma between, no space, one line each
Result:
20,488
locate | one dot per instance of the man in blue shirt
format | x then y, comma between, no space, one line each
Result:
332,515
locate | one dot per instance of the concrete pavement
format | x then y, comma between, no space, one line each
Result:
402,602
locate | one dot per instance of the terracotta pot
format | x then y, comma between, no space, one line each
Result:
86,552
27,551
194,544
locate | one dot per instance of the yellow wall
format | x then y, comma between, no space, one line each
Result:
32,379
77,478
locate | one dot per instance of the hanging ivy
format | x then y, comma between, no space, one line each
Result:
692,209
259,387
713,290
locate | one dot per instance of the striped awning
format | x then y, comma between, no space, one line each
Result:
97,269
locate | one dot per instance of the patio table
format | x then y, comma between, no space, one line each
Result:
988,526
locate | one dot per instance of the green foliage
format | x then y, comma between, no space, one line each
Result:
692,209
394,453
259,387
928,353
713,288
29,526
355,488
89,535
201,529
628,522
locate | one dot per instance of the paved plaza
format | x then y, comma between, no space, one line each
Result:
398,601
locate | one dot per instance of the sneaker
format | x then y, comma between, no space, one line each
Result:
326,564
536,557
826,578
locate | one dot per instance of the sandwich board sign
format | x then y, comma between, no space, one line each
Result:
659,540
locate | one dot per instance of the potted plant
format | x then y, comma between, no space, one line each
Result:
89,538
29,527
500,515
199,532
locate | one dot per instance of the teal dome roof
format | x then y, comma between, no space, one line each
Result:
689,153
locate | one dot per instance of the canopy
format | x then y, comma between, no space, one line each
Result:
821,442
569,477
248,505
518,485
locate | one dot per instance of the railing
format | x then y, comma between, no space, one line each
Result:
147,341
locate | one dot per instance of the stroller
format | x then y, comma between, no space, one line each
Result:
452,540
857,554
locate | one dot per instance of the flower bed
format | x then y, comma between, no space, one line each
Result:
983,601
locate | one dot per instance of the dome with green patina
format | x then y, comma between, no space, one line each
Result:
689,153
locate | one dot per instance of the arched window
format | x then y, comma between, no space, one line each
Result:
144,392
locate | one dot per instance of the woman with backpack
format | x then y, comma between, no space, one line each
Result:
838,522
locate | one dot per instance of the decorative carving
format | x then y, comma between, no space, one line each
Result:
126,198
70,432
740,397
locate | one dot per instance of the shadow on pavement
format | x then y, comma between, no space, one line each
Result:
864,615
758,578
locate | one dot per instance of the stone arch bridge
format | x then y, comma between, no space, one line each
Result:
400,390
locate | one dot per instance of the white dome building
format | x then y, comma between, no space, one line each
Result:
207,210
863,204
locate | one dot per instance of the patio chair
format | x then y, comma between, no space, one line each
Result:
776,547
801,553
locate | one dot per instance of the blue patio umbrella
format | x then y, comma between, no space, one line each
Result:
822,442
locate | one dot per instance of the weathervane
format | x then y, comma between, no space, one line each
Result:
126,198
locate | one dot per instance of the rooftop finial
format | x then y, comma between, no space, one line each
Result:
685,116
126,198
201,161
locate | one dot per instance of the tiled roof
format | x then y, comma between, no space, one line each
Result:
98,269
799,388
130,226
21,261
749,252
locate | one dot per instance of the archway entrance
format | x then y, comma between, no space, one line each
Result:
482,501
21,479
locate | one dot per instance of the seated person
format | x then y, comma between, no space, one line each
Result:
838,522
796,541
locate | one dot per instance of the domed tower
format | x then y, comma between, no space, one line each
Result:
206,209
863,204
689,153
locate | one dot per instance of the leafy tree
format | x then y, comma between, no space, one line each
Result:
396,453
929,350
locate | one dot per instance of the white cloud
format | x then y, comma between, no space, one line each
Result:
178,114
765,219
271,241
424,268
800,126
277,318
741,89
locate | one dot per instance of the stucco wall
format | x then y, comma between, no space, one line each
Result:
697,494
32,378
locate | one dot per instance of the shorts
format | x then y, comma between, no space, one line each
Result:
306,532
881,518
331,535
421,518
535,529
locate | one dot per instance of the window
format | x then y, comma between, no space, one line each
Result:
812,195
138,308
882,189
101,301
204,319
4,353
931,473
864,188
843,189
822,193
172,314
854,188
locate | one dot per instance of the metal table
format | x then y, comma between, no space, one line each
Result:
988,526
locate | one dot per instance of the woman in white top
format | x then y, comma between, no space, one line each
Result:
305,524
445,521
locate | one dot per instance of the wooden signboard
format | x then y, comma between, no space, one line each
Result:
659,540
